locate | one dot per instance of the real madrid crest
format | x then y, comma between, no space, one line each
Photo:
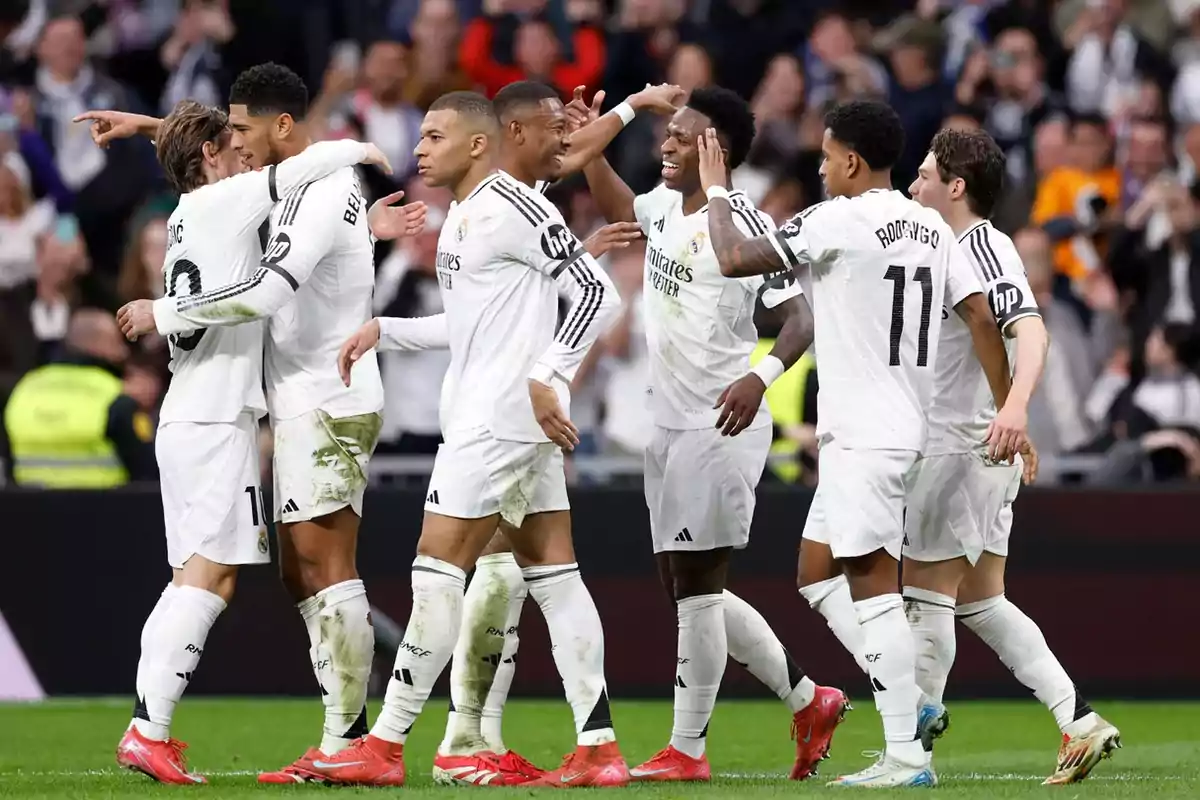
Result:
461,233
697,243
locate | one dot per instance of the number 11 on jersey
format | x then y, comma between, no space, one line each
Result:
923,276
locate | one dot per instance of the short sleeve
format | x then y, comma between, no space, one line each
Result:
998,266
798,241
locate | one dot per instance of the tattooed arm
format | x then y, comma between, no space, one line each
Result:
737,254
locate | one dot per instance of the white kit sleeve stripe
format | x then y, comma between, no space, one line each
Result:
593,295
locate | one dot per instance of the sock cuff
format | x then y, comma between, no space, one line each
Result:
309,607
814,593
433,567
699,602
929,597
547,571
212,604
971,609
496,560
341,592
874,607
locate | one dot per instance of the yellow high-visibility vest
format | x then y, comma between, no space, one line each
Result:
785,400
57,423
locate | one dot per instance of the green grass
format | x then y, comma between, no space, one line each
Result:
64,749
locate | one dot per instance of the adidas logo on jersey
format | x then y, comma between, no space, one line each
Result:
290,507
684,536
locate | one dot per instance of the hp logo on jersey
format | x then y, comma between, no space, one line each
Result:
1005,298
558,242
278,248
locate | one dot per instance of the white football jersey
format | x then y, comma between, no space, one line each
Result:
503,254
881,266
215,240
962,404
699,324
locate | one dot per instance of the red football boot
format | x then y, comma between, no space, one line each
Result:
669,764
812,728
369,761
484,768
161,760
601,765
299,771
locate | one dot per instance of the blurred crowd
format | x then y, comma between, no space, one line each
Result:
1095,102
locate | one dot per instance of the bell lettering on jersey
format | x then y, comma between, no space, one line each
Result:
666,273
447,265
906,229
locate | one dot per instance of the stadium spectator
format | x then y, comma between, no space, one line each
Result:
1109,57
70,424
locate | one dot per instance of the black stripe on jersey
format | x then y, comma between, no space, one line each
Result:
283,273
519,190
749,215
593,293
224,293
985,246
271,187
792,261
527,207
571,259
293,205
483,184
971,230
990,273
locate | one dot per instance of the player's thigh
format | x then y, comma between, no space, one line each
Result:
985,580
706,499
816,562
954,504
862,500
320,552
543,539
455,540
499,543
322,464
212,502
699,572
943,577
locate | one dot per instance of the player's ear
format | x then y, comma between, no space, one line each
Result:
958,188
517,131
209,150
284,125
853,163
479,143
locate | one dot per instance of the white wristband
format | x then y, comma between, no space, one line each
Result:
625,112
769,369
713,192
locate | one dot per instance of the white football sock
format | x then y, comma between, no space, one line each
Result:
148,632
931,618
701,656
755,646
577,639
428,643
890,656
1022,648
493,707
831,599
175,646
494,589
342,646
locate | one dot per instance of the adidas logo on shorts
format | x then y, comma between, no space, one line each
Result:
290,507
684,536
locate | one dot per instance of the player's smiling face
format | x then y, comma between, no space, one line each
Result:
444,152
680,155
252,137
930,190
541,138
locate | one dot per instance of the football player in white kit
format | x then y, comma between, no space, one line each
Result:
207,441
877,262
959,513
503,255
315,282
712,431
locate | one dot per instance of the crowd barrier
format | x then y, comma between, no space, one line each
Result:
1110,576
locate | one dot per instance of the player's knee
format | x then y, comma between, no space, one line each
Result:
498,543
219,579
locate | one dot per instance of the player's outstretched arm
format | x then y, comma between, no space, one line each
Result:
393,333
593,133
613,196
108,126
738,255
974,310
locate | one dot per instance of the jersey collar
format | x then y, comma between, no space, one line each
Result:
972,229
483,184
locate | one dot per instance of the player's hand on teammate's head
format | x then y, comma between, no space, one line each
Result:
389,221
108,126
1029,462
356,347
664,98
712,160
136,319
739,404
1006,433
612,237
376,158
549,415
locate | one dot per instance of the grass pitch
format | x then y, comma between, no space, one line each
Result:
64,749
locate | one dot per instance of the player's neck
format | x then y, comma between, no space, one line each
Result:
475,176
960,218
520,173
695,201
876,180
293,147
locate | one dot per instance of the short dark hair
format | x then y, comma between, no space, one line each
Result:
975,157
870,128
730,115
467,104
180,142
519,94
270,89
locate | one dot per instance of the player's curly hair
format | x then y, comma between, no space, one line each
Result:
270,89
870,128
975,157
730,115
180,141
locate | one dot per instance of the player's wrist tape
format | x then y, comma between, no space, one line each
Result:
625,112
713,192
769,369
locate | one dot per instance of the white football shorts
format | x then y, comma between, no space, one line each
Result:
700,486
858,507
211,494
321,463
476,475
959,505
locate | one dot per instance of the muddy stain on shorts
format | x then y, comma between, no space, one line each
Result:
350,442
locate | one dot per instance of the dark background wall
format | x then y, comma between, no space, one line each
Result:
1111,577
